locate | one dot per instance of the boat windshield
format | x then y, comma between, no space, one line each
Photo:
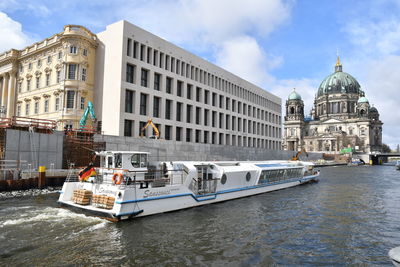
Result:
139,160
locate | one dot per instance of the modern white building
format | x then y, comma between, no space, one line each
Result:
140,76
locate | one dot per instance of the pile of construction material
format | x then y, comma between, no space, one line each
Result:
102,201
82,196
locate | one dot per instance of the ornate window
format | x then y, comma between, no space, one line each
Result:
57,104
83,74
73,49
82,103
84,52
58,76
71,71
47,79
28,85
46,105
27,109
70,99
36,111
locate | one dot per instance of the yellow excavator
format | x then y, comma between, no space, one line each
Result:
299,153
156,131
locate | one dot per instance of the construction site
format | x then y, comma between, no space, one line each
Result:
27,143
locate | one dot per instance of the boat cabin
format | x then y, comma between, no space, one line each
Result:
125,160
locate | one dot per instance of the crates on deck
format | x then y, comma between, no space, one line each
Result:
82,196
102,201
86,197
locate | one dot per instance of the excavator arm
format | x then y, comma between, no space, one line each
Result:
89,110
299,153
156,131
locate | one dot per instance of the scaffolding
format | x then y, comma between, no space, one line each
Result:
80,147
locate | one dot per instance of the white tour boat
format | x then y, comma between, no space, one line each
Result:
398,164
126,185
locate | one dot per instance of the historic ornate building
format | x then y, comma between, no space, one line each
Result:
51,79
342,117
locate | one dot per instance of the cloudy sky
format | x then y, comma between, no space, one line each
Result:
276,44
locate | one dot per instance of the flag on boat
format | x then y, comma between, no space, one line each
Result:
86,173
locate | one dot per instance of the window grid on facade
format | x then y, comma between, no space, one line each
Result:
225,119
156,107
143,104
144,77
130,73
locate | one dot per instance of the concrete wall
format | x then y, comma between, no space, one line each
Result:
38,149
173,150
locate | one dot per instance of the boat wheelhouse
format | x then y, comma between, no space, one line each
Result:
127,185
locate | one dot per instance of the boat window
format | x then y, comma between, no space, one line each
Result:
135,160
143,160
139,160
110,162
248,177
118,160
223,179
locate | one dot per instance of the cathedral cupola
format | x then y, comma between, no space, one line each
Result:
294,106
363,107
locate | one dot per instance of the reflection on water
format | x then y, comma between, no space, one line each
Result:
351,217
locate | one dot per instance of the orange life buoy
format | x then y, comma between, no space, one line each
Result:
117,178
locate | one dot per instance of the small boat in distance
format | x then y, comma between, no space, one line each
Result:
398,164
126,185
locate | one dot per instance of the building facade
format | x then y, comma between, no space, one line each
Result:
140,76
51,79
342,117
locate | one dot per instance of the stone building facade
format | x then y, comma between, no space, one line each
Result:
188,98
342,117
51,79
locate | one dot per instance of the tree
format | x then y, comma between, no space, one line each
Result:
398,148
386,148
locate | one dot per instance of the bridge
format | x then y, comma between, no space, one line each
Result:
377,158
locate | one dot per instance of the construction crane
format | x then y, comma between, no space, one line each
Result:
299,153
89,110
156,131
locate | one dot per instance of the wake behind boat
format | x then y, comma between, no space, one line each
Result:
126,185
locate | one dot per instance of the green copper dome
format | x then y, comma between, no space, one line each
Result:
363,100
294,96
339,82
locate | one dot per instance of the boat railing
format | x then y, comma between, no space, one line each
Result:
154,178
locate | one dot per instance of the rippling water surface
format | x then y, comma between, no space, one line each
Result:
351,217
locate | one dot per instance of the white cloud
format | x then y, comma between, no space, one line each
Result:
376,45
245,57
11,35
225,29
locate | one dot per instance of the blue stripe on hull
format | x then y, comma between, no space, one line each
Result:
214,196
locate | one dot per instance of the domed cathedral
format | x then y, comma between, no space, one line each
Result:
340,118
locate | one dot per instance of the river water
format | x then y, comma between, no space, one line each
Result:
351,217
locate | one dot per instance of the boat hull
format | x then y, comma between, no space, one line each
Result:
135,202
